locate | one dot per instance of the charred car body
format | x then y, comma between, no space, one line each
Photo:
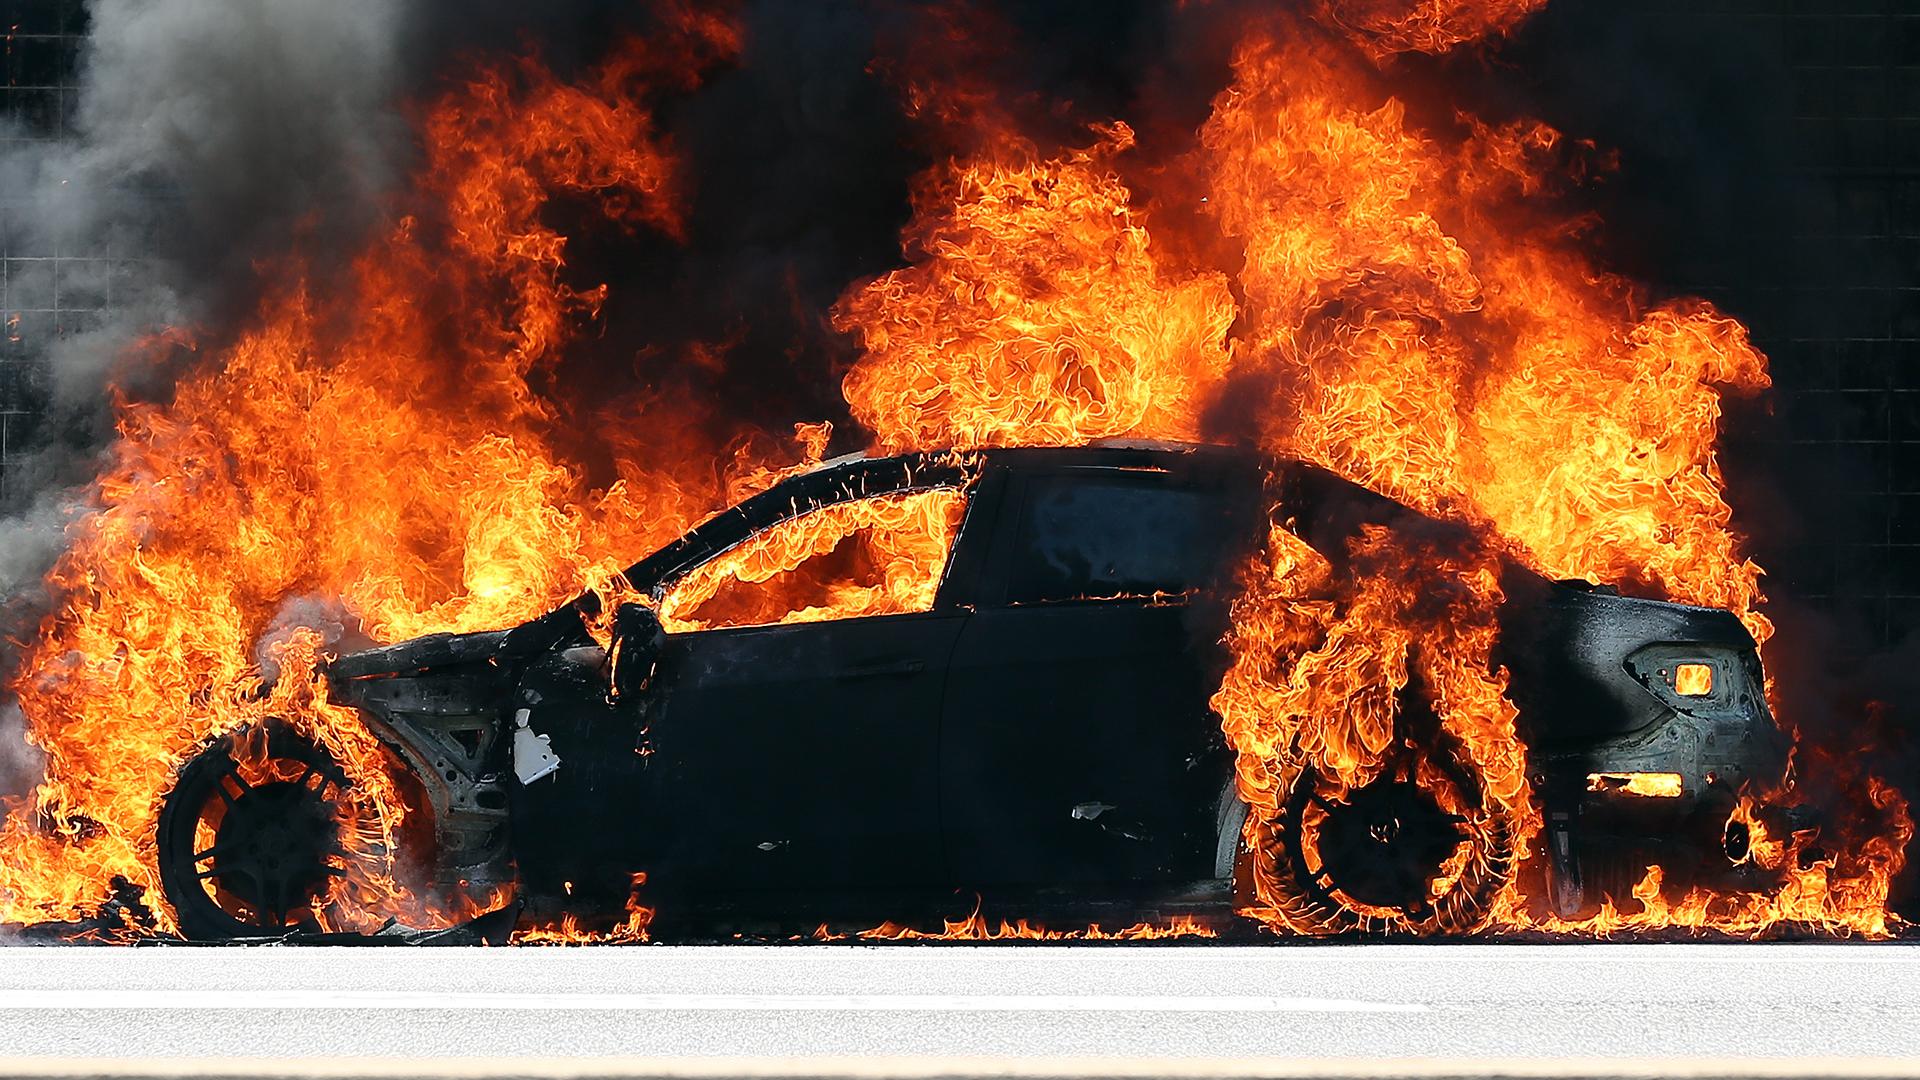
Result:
1037,725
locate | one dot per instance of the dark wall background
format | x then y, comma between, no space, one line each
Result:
1770,160
39,41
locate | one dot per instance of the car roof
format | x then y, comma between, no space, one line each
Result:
1327,508
1099,449
856,476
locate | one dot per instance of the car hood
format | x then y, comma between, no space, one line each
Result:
419,654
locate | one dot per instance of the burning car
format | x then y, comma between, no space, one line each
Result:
888,678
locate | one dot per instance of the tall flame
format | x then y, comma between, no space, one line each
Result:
1036,312
1431,332
1415,313
376,447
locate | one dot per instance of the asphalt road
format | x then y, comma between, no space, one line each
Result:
1458,1003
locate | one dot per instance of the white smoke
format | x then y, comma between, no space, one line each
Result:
208,137
21,764
323,615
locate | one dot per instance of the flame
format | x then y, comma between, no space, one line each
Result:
1646,785
895,552
570,930
1411,309
1037,314
1385,27
378,449
1321,667
1407,304
976,928
1693,680
1429,333
1842,893
1429,339
1430,329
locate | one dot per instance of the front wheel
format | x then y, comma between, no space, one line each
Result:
250,837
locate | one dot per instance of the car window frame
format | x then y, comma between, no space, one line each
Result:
945,599
997,581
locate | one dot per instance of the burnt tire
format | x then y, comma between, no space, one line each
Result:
1322,894
268,798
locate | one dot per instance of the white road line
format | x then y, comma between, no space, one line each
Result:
427,1000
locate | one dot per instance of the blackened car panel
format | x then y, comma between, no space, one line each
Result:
1568,646
1076,743
1045,725
803,756
1085,536
581,830
1076,746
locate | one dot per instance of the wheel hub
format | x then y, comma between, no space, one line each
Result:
1386,844
271,848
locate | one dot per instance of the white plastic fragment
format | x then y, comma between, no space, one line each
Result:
533,755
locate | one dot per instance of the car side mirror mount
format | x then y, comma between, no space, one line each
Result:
637,639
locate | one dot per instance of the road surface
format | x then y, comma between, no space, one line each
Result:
1458,1003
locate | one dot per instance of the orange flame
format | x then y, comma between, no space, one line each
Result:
1038,313
892,566
1405,305
1385,27
1646,785
1836,892
1431,334
1416,315
380,452
569,930
976,928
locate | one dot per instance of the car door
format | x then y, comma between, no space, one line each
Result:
1077,744
803,755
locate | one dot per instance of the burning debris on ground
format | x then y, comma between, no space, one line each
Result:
1287,512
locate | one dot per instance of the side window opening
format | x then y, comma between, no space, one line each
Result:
883,555
1115,537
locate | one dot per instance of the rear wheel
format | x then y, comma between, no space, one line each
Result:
1386,857
250,835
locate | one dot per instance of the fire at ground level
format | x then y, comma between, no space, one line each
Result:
1205,918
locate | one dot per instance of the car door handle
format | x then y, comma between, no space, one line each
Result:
874,669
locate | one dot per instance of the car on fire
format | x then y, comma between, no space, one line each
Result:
1024,716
